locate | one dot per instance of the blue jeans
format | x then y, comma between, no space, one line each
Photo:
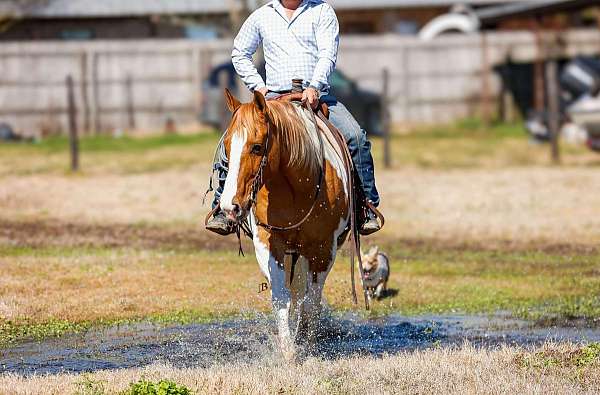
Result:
359,145
356,138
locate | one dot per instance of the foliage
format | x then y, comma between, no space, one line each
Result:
88,386
11,332
163,387
588,355
580,358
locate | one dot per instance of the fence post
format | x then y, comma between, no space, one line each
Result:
72,115
96,107
553,105
84,92
385,114
223,111
485,81
130,104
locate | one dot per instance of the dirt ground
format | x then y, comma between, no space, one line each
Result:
518,205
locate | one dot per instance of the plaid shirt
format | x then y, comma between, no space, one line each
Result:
303,47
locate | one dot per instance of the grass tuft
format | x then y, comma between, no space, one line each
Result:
87,385
550,358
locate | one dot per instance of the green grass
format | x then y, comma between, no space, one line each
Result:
549,288
470,144
87,385
464,144
581,358
108,155
472,128
105,143
12,333
533,285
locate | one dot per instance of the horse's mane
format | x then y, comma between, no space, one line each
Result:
294,128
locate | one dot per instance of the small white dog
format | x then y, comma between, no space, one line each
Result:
376,272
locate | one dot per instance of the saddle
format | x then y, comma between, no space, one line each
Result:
297,97
359,205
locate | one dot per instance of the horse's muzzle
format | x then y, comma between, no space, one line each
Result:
234,213
237,213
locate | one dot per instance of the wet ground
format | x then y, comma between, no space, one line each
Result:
202,345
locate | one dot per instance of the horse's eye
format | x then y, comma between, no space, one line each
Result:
256,148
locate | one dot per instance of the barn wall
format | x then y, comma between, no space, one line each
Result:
437,81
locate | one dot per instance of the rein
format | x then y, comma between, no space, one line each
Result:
258,178
258,181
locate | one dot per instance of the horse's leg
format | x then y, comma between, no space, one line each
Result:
314,297
313,304
281,298
298,287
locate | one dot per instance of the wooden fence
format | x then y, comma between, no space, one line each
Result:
122,85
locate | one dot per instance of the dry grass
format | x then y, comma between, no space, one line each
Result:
47,291
91,286
446,191
524,205
517,204
455,183
169,196
466,217
464,370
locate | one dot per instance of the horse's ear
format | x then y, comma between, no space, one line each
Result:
232,103
260,102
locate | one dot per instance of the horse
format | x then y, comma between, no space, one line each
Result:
289,183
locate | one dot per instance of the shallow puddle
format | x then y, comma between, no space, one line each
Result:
250,340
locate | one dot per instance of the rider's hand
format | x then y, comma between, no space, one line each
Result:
263,90
311,96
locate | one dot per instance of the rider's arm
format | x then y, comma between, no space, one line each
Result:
244,46
328,39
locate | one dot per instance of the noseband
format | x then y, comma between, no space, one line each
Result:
257,182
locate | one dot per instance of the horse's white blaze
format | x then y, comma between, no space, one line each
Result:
238,141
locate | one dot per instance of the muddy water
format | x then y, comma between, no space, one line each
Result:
250,340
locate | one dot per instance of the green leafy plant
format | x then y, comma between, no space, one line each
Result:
588,355
163,387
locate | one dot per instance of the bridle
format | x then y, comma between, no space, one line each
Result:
257,182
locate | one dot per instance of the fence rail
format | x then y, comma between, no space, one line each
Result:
160,80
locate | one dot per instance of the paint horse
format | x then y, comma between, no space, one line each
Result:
288,180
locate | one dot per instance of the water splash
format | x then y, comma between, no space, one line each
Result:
203,345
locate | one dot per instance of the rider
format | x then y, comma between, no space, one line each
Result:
300,41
